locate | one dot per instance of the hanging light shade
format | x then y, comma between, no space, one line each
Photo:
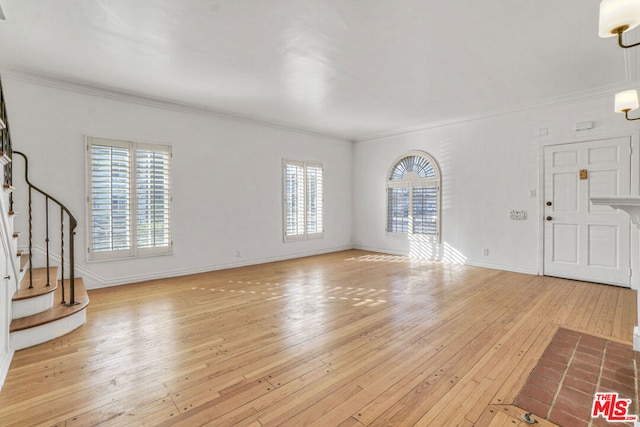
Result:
626,101
618,16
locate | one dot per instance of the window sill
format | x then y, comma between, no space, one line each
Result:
106,258
303,238
414,237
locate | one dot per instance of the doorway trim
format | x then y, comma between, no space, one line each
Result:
634,250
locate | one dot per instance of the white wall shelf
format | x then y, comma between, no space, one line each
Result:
631,205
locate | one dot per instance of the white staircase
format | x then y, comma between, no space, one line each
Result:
37,312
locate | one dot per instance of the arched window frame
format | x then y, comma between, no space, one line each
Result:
411,194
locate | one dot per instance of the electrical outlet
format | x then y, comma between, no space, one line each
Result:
485,252
518,214
238,253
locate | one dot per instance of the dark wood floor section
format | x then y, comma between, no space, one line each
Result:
345,339
574,367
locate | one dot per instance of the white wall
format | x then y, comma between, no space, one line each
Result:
489,166
227,177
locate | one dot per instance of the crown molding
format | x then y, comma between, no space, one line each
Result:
92,89
567,99
164,103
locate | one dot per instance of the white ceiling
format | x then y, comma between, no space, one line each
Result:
347,68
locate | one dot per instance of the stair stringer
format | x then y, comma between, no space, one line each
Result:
10,244
8,251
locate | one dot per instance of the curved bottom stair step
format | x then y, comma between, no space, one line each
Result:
26,302
39,283
52,323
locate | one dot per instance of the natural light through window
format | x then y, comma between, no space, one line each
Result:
129,199
413,197
303,200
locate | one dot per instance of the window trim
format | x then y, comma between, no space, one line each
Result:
133,252
305,235
412,182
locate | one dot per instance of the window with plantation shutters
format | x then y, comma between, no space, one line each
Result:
413,196
398,209
314,199
129,198
153,199
303,200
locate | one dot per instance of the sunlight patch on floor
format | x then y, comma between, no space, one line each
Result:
360,296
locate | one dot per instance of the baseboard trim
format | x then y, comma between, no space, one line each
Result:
491,266
502,267
5,363
381,250
93,281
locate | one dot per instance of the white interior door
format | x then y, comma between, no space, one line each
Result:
582,241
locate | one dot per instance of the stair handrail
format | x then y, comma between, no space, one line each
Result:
73,224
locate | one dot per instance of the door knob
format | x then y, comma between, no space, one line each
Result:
549,203
549,218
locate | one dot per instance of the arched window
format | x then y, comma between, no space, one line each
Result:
413,196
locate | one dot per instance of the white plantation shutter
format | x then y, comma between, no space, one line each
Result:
294,199
398,209
303,200
314,199
153,199
111,199
129,199
413,196
425,210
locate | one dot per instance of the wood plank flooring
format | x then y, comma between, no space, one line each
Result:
345,339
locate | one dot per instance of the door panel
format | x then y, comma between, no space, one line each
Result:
582,241
603,246
564,158
604,154
565,197
565,239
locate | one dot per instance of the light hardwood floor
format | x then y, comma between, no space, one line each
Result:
350,338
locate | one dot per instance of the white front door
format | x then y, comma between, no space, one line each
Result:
582,241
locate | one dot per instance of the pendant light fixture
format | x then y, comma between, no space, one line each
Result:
618,17
627,101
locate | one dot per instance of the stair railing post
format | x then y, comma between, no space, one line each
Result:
72,275
30,239
46,210
62,252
